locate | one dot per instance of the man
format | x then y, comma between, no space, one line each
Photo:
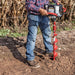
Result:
37,15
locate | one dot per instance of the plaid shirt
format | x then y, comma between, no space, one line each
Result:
33,6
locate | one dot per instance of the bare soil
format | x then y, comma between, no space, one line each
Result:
13,62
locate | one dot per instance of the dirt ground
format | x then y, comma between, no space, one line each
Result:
13,62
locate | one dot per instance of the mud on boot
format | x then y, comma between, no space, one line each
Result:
33,64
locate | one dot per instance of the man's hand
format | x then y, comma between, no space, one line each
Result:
43,12
57,3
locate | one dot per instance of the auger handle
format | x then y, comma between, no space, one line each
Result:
64,9
54,14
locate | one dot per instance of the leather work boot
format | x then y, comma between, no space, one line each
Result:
33,63
48,54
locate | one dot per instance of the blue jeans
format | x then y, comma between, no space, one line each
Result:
43,22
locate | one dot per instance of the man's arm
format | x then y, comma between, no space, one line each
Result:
30,5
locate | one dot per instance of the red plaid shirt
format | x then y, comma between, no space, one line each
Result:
33,6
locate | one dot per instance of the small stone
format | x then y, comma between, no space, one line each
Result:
3,52
1,59
59,54
64,49
28,70
59,48
0,50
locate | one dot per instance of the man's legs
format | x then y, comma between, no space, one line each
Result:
31,38
46,32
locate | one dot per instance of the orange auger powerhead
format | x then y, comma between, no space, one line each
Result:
55,11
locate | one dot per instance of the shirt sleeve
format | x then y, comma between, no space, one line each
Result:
55,1
30,5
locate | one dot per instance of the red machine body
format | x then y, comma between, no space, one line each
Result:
55,47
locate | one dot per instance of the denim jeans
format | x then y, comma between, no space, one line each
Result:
43,22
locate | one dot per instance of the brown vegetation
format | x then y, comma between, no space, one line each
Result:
13,12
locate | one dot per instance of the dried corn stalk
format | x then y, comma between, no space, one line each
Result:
13,12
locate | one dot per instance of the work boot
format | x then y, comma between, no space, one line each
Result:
33,63
47,54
